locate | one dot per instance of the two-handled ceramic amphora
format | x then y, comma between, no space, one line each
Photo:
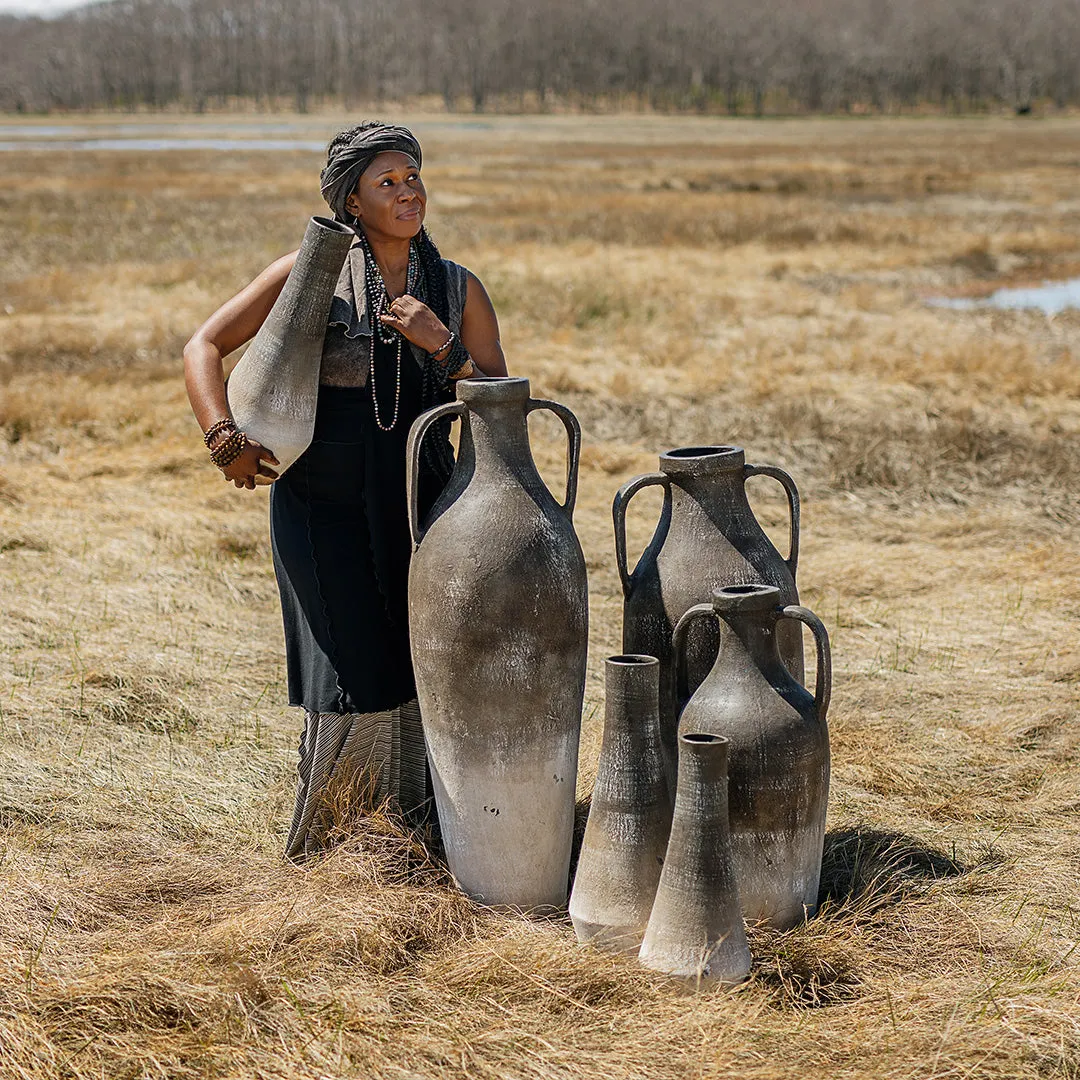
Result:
707,537
498,618
778,768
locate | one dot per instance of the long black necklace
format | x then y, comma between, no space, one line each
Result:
379,302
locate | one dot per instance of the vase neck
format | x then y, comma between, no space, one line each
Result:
750,636
702,776
495,438
714,484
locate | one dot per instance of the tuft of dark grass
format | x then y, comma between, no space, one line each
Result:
147,702
870,868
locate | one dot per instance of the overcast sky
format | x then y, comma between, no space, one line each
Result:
39,7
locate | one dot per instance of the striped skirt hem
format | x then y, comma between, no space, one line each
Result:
379,757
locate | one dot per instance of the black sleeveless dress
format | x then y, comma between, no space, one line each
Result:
341,546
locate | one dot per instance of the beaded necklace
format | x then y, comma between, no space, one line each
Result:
379,301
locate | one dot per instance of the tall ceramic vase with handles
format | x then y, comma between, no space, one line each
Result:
272,391
498,618
707,537
778,767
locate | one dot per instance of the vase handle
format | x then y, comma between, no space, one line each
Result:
794,505
823,690
678,642
573,450
618,514
412,458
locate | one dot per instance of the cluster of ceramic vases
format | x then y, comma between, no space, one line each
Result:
709,803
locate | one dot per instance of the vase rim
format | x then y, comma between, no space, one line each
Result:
492,388
690,458
749,597
633,660
703,738
332,226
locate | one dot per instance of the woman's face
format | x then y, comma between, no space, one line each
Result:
390,199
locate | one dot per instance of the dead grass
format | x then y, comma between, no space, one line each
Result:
675,283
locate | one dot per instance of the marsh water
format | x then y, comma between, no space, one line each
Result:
184,134
1051,297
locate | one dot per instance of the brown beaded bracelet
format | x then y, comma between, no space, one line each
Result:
226,461
222,425
225,454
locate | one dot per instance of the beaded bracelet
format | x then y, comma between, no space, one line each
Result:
222,425
457,364
445,345
453,350
225,454
225,462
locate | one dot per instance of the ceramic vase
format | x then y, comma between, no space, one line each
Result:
779,758
695,929
707,536
629,816
498,618
273,390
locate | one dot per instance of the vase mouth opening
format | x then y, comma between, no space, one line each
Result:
703,458
756,597
633,660
701,738
333,226
492,388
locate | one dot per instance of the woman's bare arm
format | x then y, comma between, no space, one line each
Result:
236,321
480,329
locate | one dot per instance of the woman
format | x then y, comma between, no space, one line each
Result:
403,325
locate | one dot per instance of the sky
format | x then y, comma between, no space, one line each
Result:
39,7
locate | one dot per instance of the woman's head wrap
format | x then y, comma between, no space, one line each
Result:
346,160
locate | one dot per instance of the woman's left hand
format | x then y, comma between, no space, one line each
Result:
417,322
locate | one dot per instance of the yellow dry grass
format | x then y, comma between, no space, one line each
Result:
756,283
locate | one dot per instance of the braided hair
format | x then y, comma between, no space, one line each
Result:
432,290
435,388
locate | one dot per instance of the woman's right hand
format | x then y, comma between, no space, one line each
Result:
252,467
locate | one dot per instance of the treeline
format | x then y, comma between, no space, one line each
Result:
734,56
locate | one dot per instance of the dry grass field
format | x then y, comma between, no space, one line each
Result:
675,282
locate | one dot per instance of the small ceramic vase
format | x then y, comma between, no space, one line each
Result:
779,760
696,929
273,390
630,814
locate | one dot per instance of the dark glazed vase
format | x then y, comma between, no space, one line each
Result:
630,813
707,537
779,761
498,617
273,390
696,929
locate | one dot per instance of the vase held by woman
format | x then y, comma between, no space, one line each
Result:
274,389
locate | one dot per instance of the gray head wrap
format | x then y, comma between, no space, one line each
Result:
347,162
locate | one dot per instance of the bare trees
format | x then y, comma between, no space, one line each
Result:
735,56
